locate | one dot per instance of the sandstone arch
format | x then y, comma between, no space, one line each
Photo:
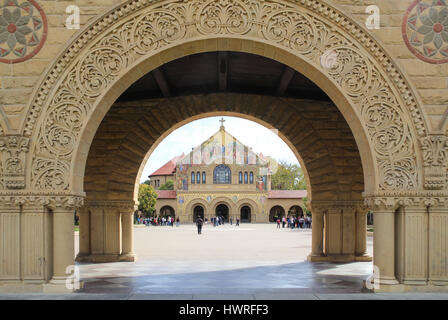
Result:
391,94
402,165
188,214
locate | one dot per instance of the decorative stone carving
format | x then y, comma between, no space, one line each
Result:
393,200
13,149
127,206
435,156
42,200
138,29
322,206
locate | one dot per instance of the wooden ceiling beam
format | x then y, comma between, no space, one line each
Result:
285,80
160,78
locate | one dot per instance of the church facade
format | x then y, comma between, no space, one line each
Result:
223,177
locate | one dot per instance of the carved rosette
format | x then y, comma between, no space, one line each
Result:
13,154
139,29
435,156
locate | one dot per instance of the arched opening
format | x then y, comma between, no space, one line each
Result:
198,212
245,214
222,210
295,211
276,212
167,211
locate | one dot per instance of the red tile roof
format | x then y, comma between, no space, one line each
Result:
168,168
287,194
166,194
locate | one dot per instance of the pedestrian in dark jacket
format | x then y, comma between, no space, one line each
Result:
199,223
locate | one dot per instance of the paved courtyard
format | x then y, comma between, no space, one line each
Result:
250,262
246,260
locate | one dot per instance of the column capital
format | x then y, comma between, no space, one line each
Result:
13,151
396,199
124,206
29,199
435,161
337,205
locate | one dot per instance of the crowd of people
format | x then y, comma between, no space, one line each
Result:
158,221
302,222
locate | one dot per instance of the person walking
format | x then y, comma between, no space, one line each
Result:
177,222
231,221
237,222
278,223
301,222
199,223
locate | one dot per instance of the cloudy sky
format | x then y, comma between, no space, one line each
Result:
194,133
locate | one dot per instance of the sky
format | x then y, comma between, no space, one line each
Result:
250,133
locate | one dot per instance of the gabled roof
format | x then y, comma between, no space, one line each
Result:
287,194
219,143
168,168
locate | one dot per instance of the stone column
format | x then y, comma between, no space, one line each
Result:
384,243
10,242
317,253
84,233
361,235
333,233
63,243
127,224
438,239
348,232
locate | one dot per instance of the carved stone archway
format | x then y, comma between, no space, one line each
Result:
404,166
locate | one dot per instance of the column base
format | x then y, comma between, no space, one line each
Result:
54,286
97,258
388,287
128,257
316,258
364,258
61,285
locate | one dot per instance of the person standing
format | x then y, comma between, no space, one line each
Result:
231,221
199,223
278,223
237,222
283,221
177,222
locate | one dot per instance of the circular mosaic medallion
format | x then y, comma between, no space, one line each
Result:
425,30
23,30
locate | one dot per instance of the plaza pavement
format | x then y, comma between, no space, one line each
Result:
249,262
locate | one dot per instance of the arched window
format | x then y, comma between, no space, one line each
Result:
222,175
240,178
251,177
198,177
192,178
245,177
204,177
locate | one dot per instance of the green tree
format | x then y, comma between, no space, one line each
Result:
147,198
288,177
168,185
306,208
146,182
